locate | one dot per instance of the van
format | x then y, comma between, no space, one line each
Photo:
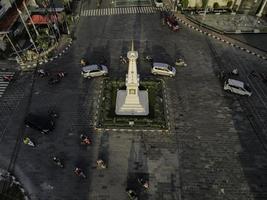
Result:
94,71
163,69
237,87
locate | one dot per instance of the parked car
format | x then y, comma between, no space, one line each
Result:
42,123
237,87
158,3
94,70
163,69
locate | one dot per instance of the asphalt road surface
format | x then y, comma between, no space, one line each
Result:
216,148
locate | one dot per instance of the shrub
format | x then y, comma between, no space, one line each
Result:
185,3
229,4
204,3
216,5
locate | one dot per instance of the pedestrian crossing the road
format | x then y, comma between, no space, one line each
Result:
120,11
4,83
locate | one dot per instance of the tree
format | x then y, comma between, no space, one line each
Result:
229,4
216,5
185,3
204,3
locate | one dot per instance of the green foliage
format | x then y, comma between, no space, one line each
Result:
229,4
216,5
204,3
156,117
185,3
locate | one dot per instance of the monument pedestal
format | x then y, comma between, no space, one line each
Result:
130,106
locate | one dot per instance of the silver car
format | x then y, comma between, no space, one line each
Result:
163,69
90,71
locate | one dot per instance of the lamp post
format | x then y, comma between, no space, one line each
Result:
13,47
31,39
37,33
259,14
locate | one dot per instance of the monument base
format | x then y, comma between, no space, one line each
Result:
140,108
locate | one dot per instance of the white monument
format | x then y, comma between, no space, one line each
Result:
132,101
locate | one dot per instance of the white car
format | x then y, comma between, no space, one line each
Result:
237,87
158,3
163,69
94,70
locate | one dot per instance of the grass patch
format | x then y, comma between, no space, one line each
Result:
155,119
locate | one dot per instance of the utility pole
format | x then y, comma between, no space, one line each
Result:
25,25
13,47
37,33
259,14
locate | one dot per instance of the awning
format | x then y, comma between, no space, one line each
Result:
44,19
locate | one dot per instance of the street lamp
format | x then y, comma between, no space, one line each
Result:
31,39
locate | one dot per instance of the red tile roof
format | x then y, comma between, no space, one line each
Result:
42,19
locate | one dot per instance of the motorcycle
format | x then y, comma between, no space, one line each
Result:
235,72
57,78
62,74
148,58
180,63
123,60
132,194
143,182
58,162
28,141
83,62
100,164
78,171
8,78
53,114
42,73
85,140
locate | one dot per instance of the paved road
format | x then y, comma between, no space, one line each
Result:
256,40
216,146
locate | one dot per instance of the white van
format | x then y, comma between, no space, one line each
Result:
163,69
237,87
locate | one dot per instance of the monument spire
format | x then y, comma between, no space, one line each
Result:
132,101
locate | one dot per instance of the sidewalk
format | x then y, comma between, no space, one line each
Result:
214,33
231,23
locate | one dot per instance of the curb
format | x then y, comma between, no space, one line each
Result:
96,115
50,59
220,39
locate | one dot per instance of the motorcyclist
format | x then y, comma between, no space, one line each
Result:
235,71
85,139
26,140
78,171
100,164
144,183
57,161
83,62
123,60
7,78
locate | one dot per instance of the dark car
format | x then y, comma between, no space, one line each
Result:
41,123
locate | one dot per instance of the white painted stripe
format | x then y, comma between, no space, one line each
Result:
3,84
